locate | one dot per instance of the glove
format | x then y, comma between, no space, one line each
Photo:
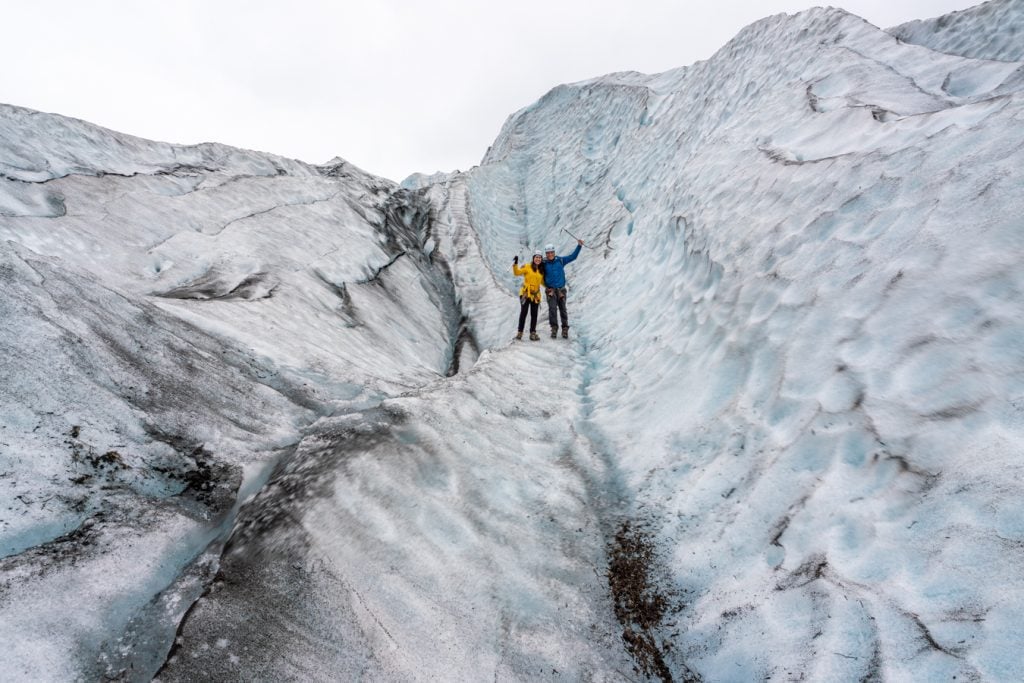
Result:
515,259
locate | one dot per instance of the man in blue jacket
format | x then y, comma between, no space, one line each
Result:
554,284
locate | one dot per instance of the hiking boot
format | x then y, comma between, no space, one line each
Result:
534,336
565,333
519,334
554,332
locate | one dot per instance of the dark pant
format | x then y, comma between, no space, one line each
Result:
556,304
528,305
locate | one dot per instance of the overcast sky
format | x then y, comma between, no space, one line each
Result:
394,86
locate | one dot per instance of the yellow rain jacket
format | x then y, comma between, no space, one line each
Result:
533,282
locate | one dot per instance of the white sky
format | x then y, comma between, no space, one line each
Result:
395,86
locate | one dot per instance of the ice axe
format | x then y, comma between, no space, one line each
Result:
575,238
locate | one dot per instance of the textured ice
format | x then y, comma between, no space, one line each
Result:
795,384
799,327
991,30
173,318
412,543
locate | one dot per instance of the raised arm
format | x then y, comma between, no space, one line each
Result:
575,252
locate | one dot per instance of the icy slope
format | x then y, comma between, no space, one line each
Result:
802,325
173,318
783,441
992,30
453,534
791,356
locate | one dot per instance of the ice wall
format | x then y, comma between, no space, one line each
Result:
173,319
801,320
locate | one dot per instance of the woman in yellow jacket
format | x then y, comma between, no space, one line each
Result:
529,293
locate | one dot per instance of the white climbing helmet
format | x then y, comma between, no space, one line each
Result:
537,252
549,247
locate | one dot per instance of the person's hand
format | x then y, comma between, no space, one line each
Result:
580,242
515,259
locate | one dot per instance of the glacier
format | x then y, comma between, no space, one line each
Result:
262,419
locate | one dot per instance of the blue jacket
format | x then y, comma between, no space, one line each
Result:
554,270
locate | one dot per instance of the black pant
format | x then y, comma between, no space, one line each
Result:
556,304
527,304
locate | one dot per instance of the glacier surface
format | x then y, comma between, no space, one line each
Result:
991,30
262,419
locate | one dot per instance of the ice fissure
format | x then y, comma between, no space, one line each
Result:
781,442
405,440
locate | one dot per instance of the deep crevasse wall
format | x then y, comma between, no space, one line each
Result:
174,318
802,316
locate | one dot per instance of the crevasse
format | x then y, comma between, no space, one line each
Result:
781,441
